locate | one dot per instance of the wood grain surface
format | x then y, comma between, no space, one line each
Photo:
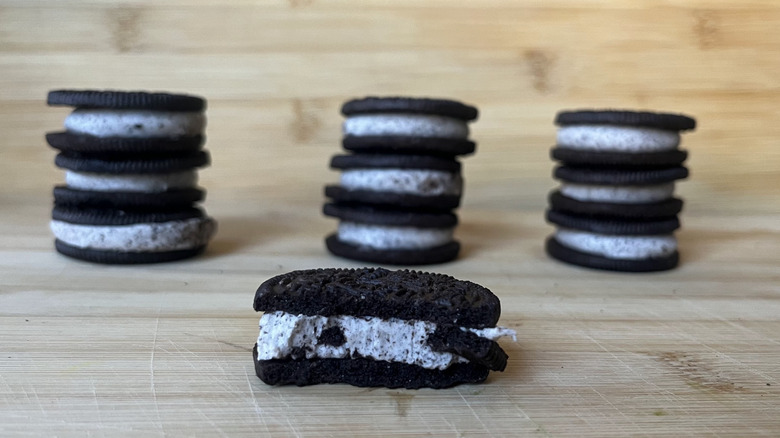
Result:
89,350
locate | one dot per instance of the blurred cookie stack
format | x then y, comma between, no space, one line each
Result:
615,208
130,161
402,181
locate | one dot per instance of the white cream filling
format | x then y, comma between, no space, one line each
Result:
411,181
618,194
145,237
393,237
416,125
135,123
392,340
611,138
618,247
142,183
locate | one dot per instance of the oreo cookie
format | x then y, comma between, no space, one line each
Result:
617,159
589,260
173,198
120,146
408,181
392,236
125,100
389,144
139,165
113,236
611,226
648,119
612,176
411,105
426,330
660,209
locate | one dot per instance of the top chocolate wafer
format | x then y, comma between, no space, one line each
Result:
441,107
125,100
668,121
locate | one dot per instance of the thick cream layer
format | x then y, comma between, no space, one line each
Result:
135,123
609,138
618,247
392,340
393,237
146,237
618,194
142,183
411,181
415,125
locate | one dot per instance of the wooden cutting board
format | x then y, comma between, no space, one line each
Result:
165,349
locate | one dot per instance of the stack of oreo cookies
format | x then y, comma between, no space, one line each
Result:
402,181
130,161
615,208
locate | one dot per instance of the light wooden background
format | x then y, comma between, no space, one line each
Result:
164,350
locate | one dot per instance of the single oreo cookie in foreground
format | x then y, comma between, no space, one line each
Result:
397,237
612,225
612,176
113,236
90,144
111,99
661,209
579,157
141,165
379,105
665,121
572,256
396,144
169,199
429,330
408,181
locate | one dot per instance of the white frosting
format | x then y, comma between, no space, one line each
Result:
618,194
417,125
618,247
617,138
144,237
393,237
411,181
392,340
135,123
144,183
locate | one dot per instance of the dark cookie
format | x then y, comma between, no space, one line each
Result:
385,216
453,339
82,143
377,161
593,158
365,373
441,107
671,122
438,202
613,226
124,257
116,217
663,209
173,198
125,100
395,144
574,257
612,176
402,257
143,165
404,294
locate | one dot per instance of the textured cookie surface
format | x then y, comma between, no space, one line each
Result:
402,257
612,225
673,122
667,208
124,257
82,143
365,373
377,161
116,200
572,256
443,107
125,100
670,158
380,292
163,164
612,176
386,216
395,144
440,202
103,216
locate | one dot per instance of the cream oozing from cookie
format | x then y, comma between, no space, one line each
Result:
393,237
392,340
142,183
609,138
415,125
411,181
618,247
135,123
143,237
618,194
